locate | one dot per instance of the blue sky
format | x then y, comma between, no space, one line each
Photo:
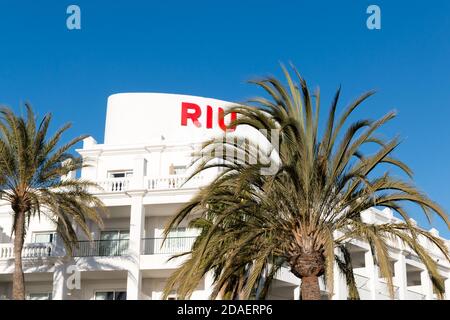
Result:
210,49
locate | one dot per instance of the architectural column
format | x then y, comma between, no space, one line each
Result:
139,172
400,275
60,282
427,286
137,220
372,273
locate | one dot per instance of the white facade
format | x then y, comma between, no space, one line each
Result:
141,167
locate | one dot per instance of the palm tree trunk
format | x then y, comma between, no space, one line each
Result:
18,277
310,289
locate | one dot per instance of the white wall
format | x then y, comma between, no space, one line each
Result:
152,289
36,225
89,287
134,118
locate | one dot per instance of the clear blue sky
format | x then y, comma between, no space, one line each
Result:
211,49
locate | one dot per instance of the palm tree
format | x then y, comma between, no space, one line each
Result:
32,166
305,213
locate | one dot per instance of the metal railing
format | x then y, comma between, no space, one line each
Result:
383,291
412,295
362,283
171,245
102,248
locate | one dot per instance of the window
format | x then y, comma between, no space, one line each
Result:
44,237
177,232
111,295
40,296
177,240
120,174
115,235
113,242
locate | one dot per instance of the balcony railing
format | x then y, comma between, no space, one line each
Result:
171,182
412,295
172,245
30,250
101,248
383,291
362,283
114,185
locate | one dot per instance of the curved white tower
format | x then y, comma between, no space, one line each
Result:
140,118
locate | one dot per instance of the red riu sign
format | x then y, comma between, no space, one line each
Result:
192,111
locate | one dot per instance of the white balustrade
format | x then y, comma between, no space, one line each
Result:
6,251
174,182
114,185
171,182
30,250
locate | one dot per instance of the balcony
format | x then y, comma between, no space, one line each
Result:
30,250
101,248
174,182
363,285
114,185
157,183
83,249
171,245
413,295
383,291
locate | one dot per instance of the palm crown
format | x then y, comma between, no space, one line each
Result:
310,208
34,172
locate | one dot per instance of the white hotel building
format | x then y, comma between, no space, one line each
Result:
141,167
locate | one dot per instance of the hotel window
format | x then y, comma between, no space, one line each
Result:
44,237
114,242
178,232
111,295
40,296
178,240
120,174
